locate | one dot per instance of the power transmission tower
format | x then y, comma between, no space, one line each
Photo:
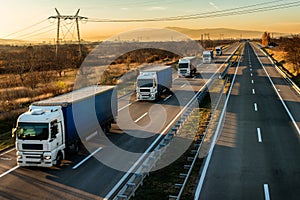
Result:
60,17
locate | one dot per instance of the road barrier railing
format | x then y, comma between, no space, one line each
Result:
280,71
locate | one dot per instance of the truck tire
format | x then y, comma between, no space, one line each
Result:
59,158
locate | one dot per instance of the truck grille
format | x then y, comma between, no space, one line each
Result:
32,146
144,90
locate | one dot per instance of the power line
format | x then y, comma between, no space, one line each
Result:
227,12
23,29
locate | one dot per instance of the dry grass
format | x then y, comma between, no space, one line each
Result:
279,55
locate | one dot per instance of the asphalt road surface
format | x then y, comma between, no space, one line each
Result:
256,155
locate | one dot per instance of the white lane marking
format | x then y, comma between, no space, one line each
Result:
266,190
253,91
125,106
7,151
251,69
218,129
112,191
183,85
168,97
141,117
255,107
194,77
251,74
250,65
282,102
91,136
259,135
8,171
88,157
5,158
252,81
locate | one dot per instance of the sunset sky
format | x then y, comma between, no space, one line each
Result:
17,16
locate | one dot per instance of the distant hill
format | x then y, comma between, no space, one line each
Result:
12,42
217,33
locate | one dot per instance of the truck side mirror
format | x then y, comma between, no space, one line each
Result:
13,132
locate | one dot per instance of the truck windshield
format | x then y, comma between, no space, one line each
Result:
183,65
33,131
145,82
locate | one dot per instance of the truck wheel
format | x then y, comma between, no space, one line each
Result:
58,159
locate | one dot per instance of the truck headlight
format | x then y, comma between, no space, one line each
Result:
47,157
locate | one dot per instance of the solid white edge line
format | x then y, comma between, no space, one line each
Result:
259,135
141,117
266,191
6,152
255,106
112,191
276,91
8,171
88,157
207,160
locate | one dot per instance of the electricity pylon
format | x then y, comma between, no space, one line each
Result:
60,17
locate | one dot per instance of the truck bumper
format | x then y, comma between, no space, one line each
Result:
37,159
146,96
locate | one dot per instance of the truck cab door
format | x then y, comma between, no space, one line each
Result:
56,134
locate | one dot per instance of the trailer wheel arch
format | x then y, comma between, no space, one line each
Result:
59,158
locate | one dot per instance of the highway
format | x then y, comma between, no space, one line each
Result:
84,176
256,155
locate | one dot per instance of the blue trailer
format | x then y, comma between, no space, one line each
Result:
51,128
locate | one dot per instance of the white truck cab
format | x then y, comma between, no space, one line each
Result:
39,137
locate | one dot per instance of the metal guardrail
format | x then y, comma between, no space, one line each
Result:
128,190
283,74
196,151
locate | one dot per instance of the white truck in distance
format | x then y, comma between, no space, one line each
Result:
187,66
208,56
218,51
48,131
152,82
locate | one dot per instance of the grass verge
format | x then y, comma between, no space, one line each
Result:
160,183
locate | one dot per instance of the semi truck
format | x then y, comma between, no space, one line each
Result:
218,51
208,56
187,66
49,130
152,82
